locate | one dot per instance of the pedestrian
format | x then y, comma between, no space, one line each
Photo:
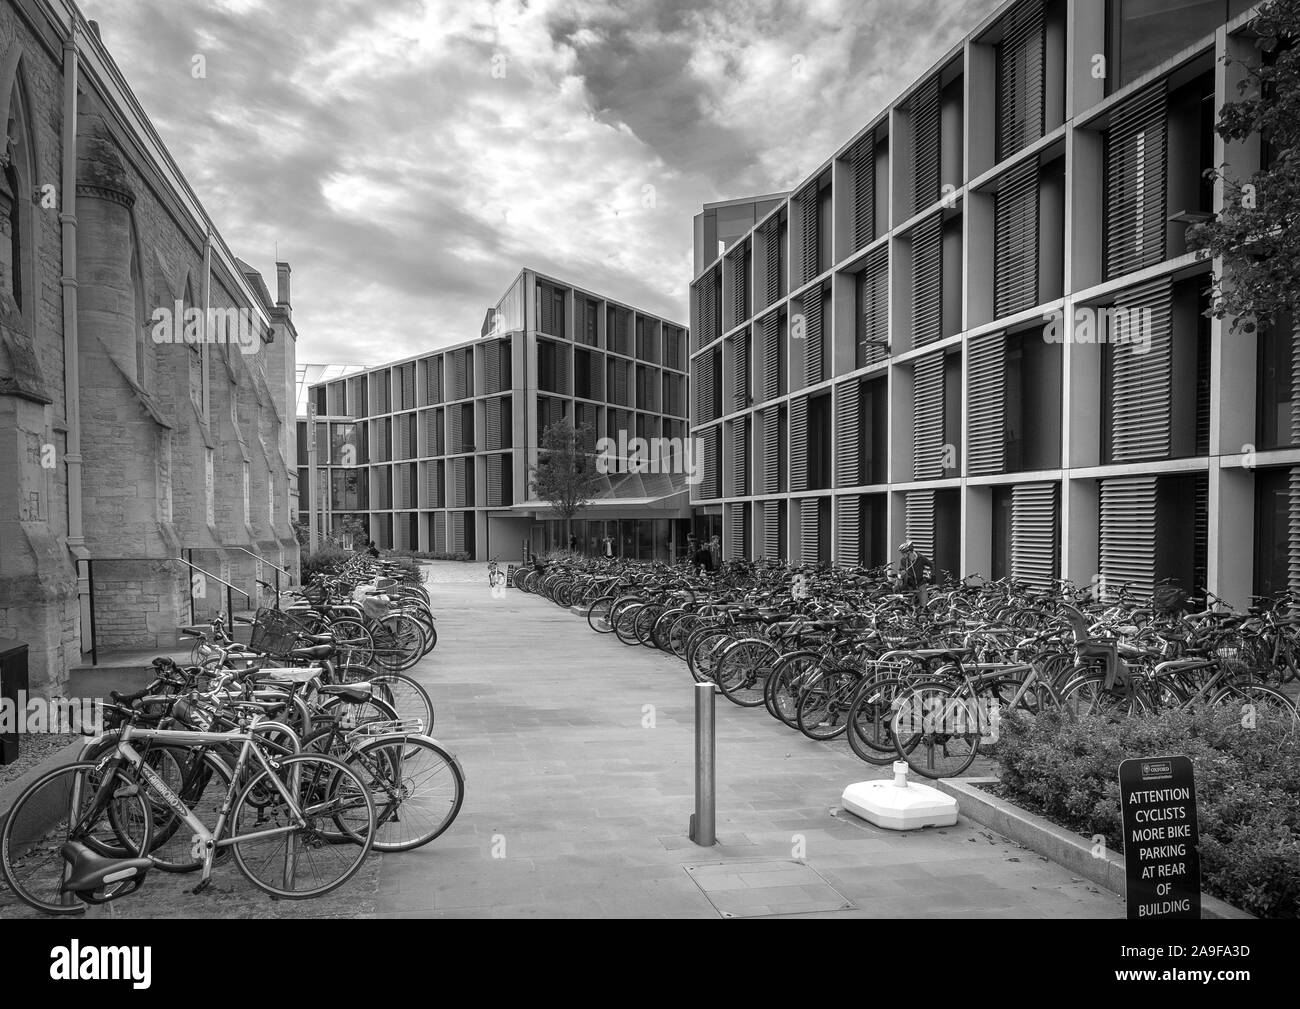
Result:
371,549
609,548
573,543
915,571
715,550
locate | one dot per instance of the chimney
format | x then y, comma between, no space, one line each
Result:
282,285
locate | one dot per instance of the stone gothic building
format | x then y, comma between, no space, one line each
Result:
146,373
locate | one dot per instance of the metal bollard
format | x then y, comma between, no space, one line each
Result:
703,823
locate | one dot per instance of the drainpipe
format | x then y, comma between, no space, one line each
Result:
71,354
207,293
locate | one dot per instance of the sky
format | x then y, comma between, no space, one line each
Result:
408,157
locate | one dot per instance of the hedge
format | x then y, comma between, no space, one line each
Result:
1247,790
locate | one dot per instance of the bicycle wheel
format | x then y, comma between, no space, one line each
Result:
418,788
743,670
1086,694
1256,701
936,730
405,696
399,642
870,713
301,861
58,807
645,622
598,615
624,619
787,681
823,709
703,660
352,714
352,641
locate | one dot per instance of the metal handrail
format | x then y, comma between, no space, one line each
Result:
264,561
90,577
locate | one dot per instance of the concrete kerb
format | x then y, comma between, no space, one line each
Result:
1066,849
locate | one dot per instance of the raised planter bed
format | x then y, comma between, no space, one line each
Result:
1064,847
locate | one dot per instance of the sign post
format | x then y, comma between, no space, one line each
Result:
1162,862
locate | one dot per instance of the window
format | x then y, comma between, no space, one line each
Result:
1145,33
1277,351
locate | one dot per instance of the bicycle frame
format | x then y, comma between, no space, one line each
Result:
210,839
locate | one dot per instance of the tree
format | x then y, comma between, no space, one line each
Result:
1257,234
565,475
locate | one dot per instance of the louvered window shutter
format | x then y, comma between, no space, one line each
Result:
710,486
848,523
920,521
1295,384
986,404
771,451
439,522
925,122
771,356
403,438
1034,533
740,455
492,367
798,444
771,530
808,531
927,412
493,412
874,324
704,388
1293,530
1141,373
739,285
808,233
737,532
1015,228
435,381
1128,534
740,372
1136,151
1021,70
772,275
453,419
848,445
927,281
862,162
494,480
812,341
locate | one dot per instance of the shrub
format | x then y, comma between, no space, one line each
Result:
327,560
1247,790
431,555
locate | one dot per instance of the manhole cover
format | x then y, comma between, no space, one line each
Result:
755,889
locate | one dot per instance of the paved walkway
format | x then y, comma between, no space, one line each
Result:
579,757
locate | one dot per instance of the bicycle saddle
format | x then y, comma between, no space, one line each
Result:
88,872
312,652
358,692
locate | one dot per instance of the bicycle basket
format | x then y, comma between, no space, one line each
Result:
375,607
274,631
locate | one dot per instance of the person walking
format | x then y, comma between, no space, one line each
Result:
609,548
715,551
915,571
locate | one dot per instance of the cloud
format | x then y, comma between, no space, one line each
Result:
408,157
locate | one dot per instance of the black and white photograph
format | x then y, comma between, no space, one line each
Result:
558,460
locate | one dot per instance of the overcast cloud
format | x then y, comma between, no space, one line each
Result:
410,157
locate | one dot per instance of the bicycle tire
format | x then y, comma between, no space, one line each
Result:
398,803
29,826
325,793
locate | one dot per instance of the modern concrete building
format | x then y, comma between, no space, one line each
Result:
977,325
432,453
131,441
